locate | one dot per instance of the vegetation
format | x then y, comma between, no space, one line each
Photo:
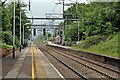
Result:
7,23
43,38
91,41
108,46
4,45
99,27
97,19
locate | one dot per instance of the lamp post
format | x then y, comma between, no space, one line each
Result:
63,26
20,31
47,29
78,21
24,34
14,32
20,25
23,37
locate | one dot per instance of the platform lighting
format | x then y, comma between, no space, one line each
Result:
14,32
24,33
23,37
20,25
20,31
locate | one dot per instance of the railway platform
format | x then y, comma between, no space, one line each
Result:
60,46
29,64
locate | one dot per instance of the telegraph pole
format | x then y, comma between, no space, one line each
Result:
14,33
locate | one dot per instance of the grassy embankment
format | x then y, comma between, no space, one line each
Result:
106,45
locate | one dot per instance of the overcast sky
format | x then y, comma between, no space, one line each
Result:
40,7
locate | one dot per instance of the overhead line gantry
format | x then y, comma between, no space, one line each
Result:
39,18
43,25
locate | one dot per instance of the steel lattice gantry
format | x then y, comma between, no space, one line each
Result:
74,19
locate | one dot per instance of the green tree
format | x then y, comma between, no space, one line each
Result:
7,37
5,19
98,18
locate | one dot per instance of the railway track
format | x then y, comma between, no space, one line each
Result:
114,72
66,70
91,67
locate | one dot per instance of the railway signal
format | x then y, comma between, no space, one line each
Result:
44,31
34,31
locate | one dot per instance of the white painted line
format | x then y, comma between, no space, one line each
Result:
51,63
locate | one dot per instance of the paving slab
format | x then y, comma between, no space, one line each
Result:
50,70
13,73
25,71
32,63
8,62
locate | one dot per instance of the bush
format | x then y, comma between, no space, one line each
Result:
4,45
70,43
41,39
93,40
7,37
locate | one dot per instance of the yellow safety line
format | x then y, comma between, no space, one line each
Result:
33,70
39,69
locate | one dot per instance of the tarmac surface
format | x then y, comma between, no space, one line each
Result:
29,64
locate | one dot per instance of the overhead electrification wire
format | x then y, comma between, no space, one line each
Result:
54,8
